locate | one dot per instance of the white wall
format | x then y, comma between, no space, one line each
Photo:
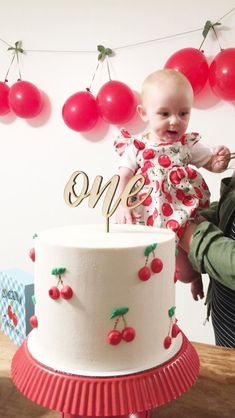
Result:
38,156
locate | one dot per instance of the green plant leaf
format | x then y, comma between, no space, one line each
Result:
118,312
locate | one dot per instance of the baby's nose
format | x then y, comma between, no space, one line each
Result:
173,119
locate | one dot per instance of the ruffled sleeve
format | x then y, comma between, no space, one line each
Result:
199,152
127,148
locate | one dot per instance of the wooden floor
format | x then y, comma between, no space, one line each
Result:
212,396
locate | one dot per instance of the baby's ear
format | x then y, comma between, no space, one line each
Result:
141,111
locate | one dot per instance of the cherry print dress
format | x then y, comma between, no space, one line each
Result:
178,190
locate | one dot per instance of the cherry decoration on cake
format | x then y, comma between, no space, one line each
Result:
174,329
32,254
33,321
65,292
156,264
32,251
126,334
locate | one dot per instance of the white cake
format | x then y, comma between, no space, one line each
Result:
102,269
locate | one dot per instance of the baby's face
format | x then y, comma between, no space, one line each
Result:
167,109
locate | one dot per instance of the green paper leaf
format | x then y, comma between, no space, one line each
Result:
108,51
208,25
58,270
171,311
119,312
17,48
101,48
33,299
101,56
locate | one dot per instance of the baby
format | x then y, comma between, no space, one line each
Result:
164,157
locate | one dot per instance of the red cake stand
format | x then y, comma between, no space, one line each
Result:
85,396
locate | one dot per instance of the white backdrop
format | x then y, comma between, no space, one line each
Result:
38,155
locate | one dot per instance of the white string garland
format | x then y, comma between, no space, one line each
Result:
132,45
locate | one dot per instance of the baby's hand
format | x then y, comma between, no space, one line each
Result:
220,158
125,215
197,289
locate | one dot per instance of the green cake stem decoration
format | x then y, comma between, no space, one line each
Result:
57,271
171,311
156,265
66,292
126,334
118,312
150,249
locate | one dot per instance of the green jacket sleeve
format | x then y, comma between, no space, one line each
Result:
212,253
211,213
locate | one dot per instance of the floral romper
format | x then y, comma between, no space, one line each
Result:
178,189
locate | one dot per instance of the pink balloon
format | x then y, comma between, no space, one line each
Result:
116,102
25,99
222,74
80,111
193,64
4,105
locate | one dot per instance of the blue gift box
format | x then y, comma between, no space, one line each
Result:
16,303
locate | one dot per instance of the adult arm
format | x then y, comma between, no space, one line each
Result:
209,251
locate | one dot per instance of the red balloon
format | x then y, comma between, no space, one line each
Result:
116,102
25,99
4,105
80,111
222,74
193,64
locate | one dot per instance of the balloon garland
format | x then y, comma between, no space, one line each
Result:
115,102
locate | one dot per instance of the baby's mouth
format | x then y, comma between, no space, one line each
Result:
171,132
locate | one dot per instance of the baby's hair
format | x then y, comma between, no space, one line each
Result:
164,76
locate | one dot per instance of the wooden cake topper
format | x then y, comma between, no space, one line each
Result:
73,198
